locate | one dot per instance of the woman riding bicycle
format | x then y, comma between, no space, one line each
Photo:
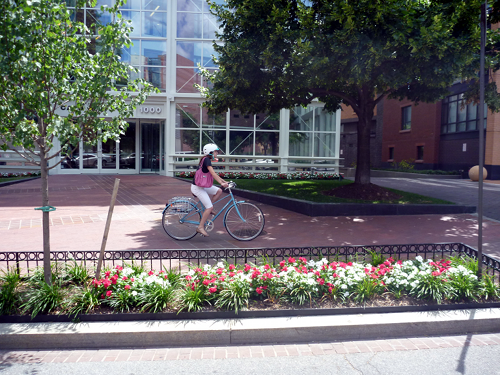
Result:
210,151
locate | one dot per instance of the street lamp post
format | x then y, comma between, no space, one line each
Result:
481,140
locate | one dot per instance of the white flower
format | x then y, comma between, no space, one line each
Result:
344,286
134,293
220,265
206,267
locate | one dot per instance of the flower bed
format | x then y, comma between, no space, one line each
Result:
292,283
270,176
20,174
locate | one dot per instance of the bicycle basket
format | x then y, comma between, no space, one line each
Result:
181,204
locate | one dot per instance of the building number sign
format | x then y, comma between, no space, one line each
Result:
149,109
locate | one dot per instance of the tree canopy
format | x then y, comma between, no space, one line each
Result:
50,60
283,53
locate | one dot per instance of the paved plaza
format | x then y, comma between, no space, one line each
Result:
82,203
78,224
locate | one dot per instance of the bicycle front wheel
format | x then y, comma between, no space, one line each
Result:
180,223
244,223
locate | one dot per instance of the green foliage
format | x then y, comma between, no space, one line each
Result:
9,293
366,289
123,300
488,288
376,258
41,297
80,300
235,297
193,300
76,273
156,297
350,52
469,263
404,165
431,288
299,295
463,287
53,62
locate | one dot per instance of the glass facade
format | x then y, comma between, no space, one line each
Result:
172,40
459,116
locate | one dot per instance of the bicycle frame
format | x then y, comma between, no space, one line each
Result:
227,206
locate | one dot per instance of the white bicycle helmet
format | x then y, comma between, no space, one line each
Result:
209,148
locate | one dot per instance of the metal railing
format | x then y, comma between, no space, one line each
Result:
25,261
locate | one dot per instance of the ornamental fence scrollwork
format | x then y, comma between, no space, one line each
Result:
25,261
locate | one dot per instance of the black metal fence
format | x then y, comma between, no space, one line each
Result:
25,261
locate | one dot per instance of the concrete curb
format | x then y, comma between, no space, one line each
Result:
279,330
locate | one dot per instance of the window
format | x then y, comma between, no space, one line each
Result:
406,118
391,153
457,116
420,152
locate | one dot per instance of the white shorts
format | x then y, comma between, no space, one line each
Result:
203,194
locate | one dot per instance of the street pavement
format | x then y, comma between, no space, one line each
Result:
467,354
465,192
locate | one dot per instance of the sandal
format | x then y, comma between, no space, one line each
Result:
202,232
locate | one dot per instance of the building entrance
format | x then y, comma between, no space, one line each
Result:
151,146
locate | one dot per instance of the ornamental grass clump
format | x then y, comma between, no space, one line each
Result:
9,291
42,298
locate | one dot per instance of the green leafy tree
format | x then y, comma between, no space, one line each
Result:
283,53
49,61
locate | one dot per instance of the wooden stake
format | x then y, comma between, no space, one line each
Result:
106,230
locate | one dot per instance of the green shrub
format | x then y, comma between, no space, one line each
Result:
156,297
9,293
81,300
42,298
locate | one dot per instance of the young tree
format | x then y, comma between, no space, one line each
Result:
49,59
283,53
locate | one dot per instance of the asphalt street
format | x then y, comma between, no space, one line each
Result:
470,360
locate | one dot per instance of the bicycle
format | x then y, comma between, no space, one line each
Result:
243,221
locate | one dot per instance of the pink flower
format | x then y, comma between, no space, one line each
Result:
258,290
151,273
206,282
106,283
107,273
124,278
119,268
219,271
291,260
231,267
108,293
231,274
127,287
188,277
213,289
132,280
282,264
267,266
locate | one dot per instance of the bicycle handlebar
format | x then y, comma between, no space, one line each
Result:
231,185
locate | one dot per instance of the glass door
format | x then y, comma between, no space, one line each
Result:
150,146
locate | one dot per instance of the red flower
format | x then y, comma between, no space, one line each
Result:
231,267
127,287
231,274
206,282
124,278
106,283
108,293
258,290
213,289
291,260
151,273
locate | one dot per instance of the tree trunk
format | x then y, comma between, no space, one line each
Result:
47,272
363,156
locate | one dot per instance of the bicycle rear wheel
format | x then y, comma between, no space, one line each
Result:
175,217
247,226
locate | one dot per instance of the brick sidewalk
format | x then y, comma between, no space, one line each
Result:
82,204
317,349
